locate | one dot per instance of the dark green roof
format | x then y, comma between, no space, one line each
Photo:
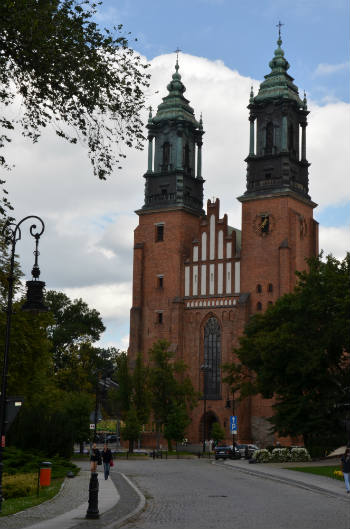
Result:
175,106
278,83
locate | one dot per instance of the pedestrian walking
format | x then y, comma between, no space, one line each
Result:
95,458
107,459
345,463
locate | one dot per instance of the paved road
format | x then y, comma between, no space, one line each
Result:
186,494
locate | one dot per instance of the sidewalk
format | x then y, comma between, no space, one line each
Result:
68,508
279,472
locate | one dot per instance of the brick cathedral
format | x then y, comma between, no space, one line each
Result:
197,280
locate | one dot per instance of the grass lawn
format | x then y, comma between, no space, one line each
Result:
327,471
13,505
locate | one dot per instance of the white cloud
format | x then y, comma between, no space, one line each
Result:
330,69
86,249
112,301
335,241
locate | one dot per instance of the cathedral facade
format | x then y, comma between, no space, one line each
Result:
197,280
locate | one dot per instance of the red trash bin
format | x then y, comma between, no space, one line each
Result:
45,474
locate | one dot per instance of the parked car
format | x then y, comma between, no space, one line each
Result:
251,449
227,452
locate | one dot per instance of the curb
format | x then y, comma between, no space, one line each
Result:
290,481
138,508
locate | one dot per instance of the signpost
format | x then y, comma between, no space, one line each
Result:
233,424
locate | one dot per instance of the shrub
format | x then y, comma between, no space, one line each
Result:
262,456
299,454
280,455
18,461
19,485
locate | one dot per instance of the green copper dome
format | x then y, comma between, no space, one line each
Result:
278,83
175,106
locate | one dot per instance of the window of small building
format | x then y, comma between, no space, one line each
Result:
160,317
159,232
270,287
258,306
160,281
259,288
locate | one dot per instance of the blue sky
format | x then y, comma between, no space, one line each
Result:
226,46
242,34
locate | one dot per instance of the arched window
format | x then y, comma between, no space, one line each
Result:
186,157
258,306
290,138
212,359
166,155
270,287
269,138
259,288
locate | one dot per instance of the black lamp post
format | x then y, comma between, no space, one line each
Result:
205,369
34,302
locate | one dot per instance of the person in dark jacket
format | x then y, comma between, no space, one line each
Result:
106,458
95,458
345,463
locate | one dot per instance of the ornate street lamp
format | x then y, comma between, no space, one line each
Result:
35,302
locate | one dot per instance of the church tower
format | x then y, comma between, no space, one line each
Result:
278,230
168,220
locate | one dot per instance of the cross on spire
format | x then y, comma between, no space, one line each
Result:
177,55
279,25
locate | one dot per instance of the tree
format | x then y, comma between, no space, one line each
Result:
63,70
170,387
124,380
299,351
141,394
74,323
177,422
217,433
132,428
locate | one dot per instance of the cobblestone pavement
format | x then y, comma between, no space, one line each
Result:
73,494
195,494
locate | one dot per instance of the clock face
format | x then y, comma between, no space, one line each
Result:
263,224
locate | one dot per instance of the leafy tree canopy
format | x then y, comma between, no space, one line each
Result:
60,68
170,386
74,323
298,350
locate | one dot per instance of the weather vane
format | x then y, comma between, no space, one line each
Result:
279,25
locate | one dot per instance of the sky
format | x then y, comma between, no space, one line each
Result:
86,249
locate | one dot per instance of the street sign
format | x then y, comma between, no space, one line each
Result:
92,426
233,424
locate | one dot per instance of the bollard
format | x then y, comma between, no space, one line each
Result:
199,455
92,511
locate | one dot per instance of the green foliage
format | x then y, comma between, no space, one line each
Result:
296,350
132,428
217,433
66,72
141,395
170,387
17,461
52,422
19,485
124,379
177,422
30,361
74,324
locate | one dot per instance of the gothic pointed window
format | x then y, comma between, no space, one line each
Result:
212,359
166,156
269,138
